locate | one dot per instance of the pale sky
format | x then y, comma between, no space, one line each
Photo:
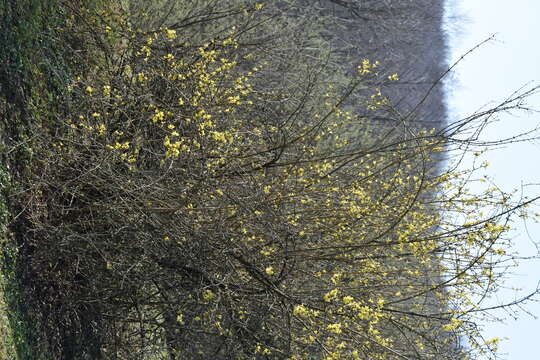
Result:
492,73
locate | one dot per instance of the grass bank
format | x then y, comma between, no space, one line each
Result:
34,71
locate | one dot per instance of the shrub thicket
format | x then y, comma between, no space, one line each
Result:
202,190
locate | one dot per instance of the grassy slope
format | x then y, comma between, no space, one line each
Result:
29,75
7,348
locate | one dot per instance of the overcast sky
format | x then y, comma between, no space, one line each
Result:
489,75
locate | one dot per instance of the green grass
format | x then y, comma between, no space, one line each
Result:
30,74
7,344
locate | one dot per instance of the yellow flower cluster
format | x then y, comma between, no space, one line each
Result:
367,67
